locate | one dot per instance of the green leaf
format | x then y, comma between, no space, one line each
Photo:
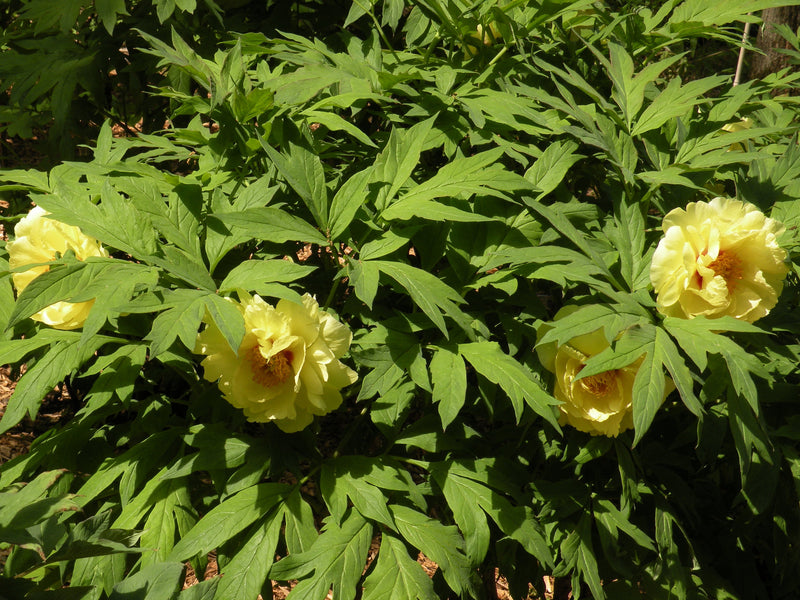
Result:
61,359
397,576
628,238
698,337
489,360
394,165
303,170
679,371
300,531
27,506
180,264
227,519
441,543
364,277
674,101
648,390
115,221
478,174
57,284
578,553
350,197
449,378
181,321
176,220
249,275
336,123
551,167
427,291
629,90
245,573
589,318
228,318
156,582
271,224
343,479
470,499
335,560
204,590
159,528
563,225
613,519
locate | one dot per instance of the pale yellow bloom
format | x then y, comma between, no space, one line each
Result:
600,404
287,367
39,239
718,258
742,125
487,37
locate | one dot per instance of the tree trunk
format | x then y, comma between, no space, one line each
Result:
769,40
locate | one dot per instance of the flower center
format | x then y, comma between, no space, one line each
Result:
728,266
272,371
601,384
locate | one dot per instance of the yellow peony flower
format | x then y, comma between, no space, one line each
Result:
742,125
718,258
287,368
600,404
487,37
39,239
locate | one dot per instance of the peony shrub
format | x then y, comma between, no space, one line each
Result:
371,301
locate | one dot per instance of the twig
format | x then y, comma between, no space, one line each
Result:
740,62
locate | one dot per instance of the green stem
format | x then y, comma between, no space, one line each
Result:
350,431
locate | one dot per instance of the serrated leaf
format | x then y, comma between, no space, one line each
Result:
246,571
115,221
335,560
271,224
303,170
427,291
161,581
181,321
441,543
397,576
578,552
159,528
674,101
698,337
394,165
551,167
227,519
249,275
180,264
478,174
489,360
343,479
300,531
648,390
470,499
60,360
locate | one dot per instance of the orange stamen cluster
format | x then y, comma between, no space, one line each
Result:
601,384
728,266
272,371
